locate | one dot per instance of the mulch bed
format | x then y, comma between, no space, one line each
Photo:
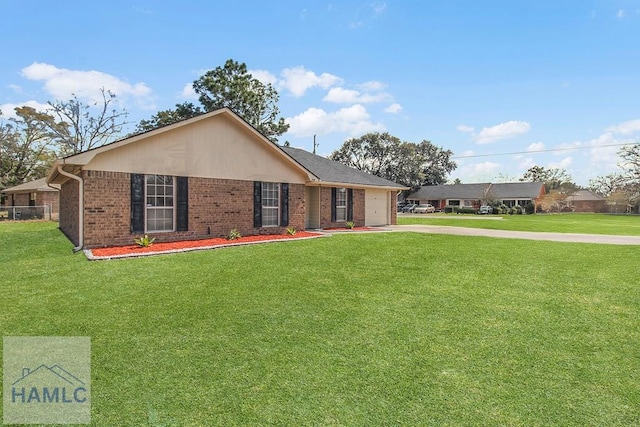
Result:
114,252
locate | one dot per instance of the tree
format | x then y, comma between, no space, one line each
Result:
437,163
76,129
27,145
553,179
234,87
607,185
183,111
630,156
406,163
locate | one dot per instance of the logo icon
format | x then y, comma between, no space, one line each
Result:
46,380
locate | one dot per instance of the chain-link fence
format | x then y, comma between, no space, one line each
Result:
21,213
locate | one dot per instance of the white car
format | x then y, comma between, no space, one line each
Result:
485,210
425,208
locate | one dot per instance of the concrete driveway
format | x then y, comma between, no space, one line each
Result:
530,235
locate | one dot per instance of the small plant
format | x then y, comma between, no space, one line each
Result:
234,234
350,224
291,231
145,241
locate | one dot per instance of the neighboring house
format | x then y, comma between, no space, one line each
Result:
474,195
33,194
203,177
586,201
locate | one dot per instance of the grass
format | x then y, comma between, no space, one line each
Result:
360,329
558,223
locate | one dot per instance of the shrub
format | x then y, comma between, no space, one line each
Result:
466,210
234,234
291,231
144,241
350,224
529,208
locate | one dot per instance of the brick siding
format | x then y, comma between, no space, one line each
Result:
215,207
68,216
325,209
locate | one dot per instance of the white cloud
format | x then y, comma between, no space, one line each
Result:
562,164
15,88
525,163
621,13
371,86
536,146
502,131
378,7
61,83
188,92
465,128
625,128
477,172
393,108
8,110
298,80
264,76
354,120
340,95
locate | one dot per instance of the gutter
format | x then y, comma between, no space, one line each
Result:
80,206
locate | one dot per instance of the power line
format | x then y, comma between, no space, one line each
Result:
542,151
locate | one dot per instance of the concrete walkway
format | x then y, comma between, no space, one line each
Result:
530,235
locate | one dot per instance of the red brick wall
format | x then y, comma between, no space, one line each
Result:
325,209
394,208
68,217
215,207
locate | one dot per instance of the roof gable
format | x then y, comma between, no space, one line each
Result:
218,144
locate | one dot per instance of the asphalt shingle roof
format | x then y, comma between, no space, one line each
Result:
506,190
35,185
455,191
332,171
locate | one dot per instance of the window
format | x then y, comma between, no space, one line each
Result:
160,197
341,204
270,204
32,199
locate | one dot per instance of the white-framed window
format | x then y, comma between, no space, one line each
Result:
160,195
270,204
341,204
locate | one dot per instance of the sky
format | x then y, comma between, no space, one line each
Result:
504,85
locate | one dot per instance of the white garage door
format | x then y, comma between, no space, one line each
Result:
376,204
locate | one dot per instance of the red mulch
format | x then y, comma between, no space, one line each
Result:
184,245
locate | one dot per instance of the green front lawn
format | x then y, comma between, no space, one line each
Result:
359,329
559,223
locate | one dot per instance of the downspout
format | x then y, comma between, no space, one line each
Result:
80,206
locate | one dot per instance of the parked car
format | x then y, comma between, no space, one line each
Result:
485,209
409,208
424,208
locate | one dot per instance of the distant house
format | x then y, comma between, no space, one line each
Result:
475,195
31,195
204,176
586,201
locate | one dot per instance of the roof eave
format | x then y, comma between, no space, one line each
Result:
354,185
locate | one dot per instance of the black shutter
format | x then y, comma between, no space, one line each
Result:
333,204
284,204
257,204
350,204
182,214
137,203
